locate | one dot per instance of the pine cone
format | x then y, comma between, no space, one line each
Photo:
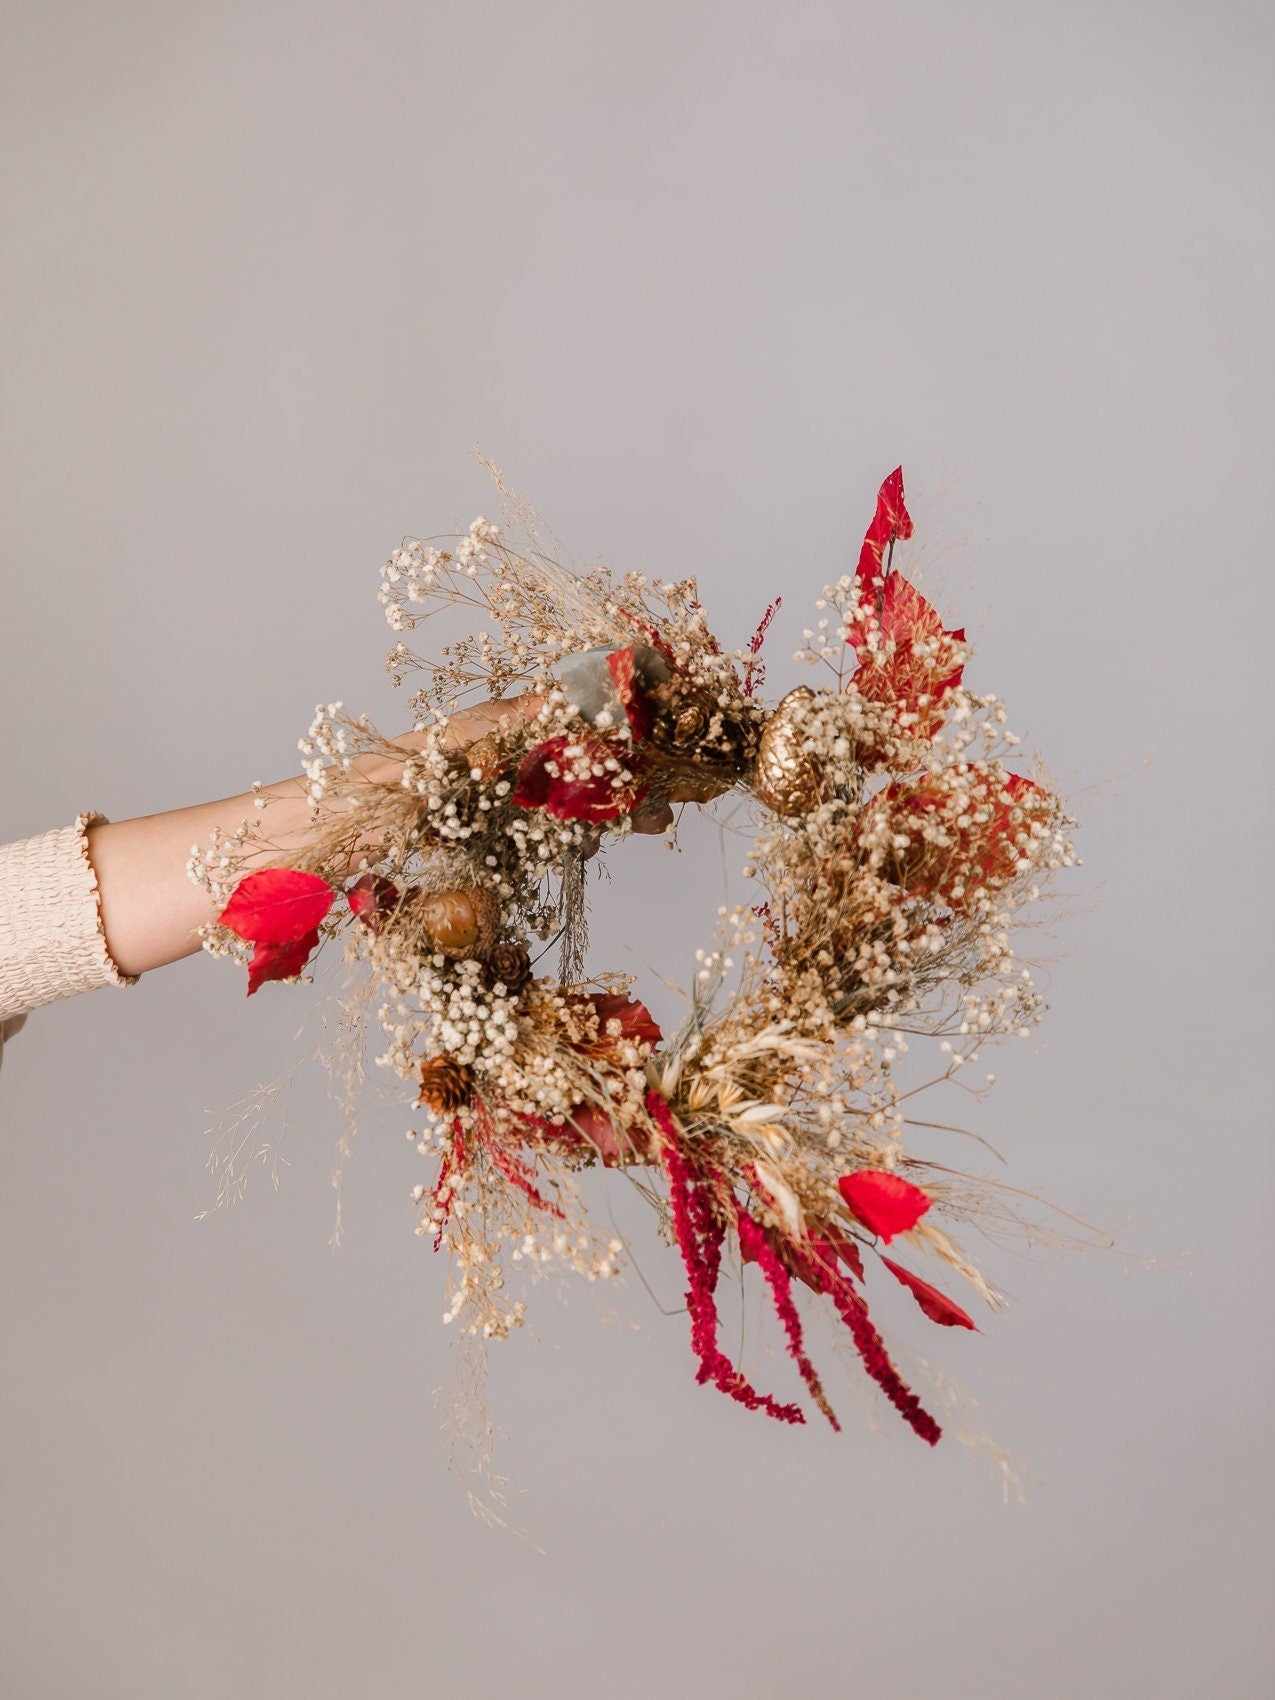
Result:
689,725
445,1084
510,964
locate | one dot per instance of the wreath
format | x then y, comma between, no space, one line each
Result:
896,846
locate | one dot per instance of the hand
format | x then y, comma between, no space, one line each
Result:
150,908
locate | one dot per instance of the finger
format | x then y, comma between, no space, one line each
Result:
653,815
470,724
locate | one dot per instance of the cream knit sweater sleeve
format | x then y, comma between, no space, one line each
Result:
51,940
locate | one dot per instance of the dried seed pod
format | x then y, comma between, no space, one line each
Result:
461,923
485,755
787,777
510,964
445,1084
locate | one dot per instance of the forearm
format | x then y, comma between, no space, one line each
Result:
150,906
151,909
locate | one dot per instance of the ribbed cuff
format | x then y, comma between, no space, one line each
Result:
51,940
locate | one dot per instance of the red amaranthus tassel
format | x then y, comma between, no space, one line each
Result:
699,1239
756,1247
448,1180
516,1171
853,1311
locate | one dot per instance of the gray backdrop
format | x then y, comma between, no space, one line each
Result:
698,276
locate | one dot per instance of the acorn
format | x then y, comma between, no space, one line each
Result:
462,923
510,965
445,1084
786,776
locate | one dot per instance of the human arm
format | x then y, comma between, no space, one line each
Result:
151,909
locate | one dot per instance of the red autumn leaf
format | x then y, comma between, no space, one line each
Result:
1025,798
890,520
846,1250
635,1019
596,1128
371,898
885,1203
915,658
937,1306
559,777
276,905
622,666
827,1247
964,825
280,961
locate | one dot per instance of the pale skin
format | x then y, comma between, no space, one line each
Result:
151,909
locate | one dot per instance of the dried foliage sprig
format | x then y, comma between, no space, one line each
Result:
896,848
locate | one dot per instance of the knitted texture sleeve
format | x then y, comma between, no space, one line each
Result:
51,940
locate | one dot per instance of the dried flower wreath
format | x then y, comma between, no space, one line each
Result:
894,851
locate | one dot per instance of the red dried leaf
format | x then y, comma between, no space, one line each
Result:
622,666
595,1128
277,905
846,1250
979,815
890,520
817,1257
559,777
937,1306
651,635
447,1181
885,1203
635,1019
916,665
282,961
371,898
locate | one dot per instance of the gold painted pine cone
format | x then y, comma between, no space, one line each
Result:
445,1084
462,923
786,777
